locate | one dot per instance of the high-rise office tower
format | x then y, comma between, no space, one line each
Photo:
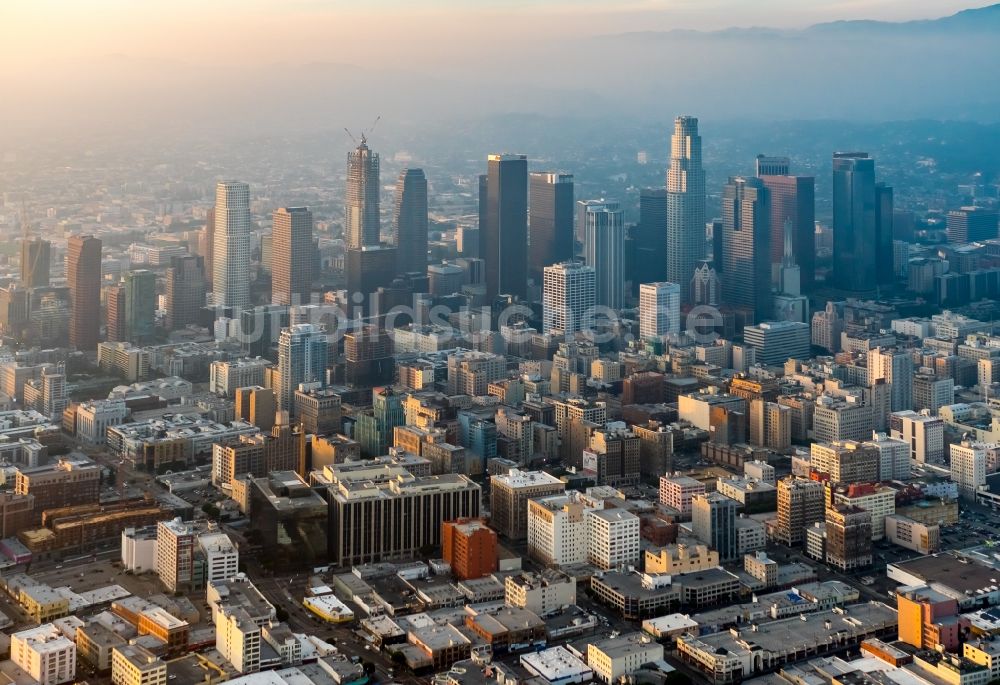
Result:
231,248
659,310
83,275
965,225
550,224
883,234
362,223
746,226
207,248
685,205
409,221
772,166
503,235
568,292
604,248
855,245
116,329
793,199
140,305
292,255
302,358
185,291
649,238
36,262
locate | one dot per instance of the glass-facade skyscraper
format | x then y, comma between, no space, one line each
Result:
409,223
550,223
855,243
302,358
503,235
746,252
604,249
685,205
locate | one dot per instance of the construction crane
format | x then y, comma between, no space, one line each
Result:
364,132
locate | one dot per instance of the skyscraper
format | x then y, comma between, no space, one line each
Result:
302,358
207,248
965,225
116,329
409,221
292,255
36,262
83,275
793,199
567,293
362,223
746,226
185,291
649,238
772,166
855,245
659,310
685,205
604,248
550,222
140,305
503,237
231,248
883,234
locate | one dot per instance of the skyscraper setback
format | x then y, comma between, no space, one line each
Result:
550,221
362,223
504,228
83,274
685,205
409,223
231,248
292,257
746,226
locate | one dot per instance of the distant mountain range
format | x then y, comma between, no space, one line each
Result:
978,20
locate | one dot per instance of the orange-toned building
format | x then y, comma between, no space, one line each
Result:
928,618
470,546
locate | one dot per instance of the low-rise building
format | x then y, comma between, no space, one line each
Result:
614,657
44,654
136,665
540,592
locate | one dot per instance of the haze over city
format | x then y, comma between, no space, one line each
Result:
538,342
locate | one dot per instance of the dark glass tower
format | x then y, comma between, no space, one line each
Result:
746,253
855,240
550,221
883,234
35,262
649,238
410,222
504,242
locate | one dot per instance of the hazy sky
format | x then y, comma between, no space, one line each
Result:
39,32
